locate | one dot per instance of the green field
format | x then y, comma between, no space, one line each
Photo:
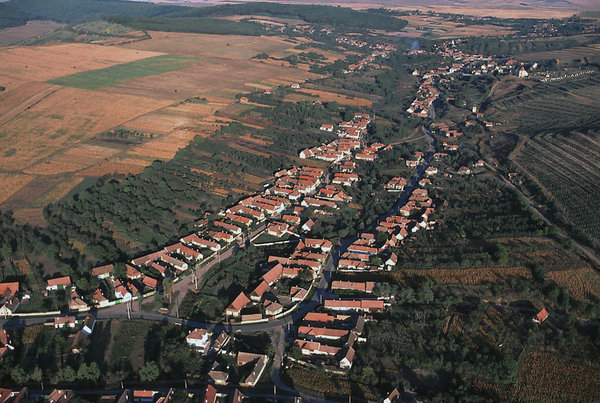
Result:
124,72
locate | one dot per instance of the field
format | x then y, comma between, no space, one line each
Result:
120,73
577,54
61,98
568,168
532,107
439,27
32,29
544,377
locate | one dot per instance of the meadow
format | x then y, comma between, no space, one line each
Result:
120,73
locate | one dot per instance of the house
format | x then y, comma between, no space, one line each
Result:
393,397
319,317
200,339
310,348
150,282
365,305
277,229
221,236
121,292
347,359
298,294
272,308
210,395
244,100
463,170
235,308
5,345
431,171
312,333
522,73
144,396
133,273
88,325
99,298
218,376
307,226
541,316
257,370
58,283
235,230
102,271
60,396
176,263
220,342
201,243
366,287
326,128
259,291
64,321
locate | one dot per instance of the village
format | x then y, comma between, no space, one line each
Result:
334,312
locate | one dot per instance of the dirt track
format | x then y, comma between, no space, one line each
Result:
16,111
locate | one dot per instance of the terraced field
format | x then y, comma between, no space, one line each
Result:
569,168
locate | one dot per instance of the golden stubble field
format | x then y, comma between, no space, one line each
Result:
51,136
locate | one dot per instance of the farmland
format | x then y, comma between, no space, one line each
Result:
568,168
120,73
54,131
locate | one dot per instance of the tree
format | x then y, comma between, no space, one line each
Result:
18,375
67,374
36,375
119,270
149,372
88,372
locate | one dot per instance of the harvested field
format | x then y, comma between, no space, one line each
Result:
236,47
62,120
11,183
199,79
42,63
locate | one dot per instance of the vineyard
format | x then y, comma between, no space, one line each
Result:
569,168
544,377
564,106
324,385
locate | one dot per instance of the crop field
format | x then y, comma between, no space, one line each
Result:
120,73
568,167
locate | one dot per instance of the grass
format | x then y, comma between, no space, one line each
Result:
124,72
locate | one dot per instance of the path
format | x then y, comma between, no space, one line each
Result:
30,102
